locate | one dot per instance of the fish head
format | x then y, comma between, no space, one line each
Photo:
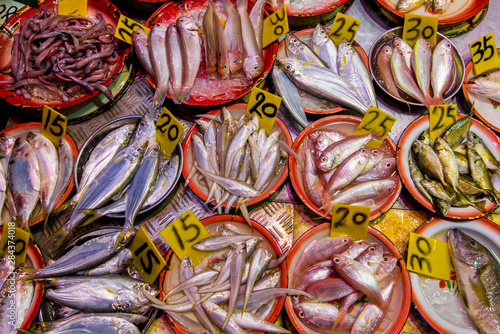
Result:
439,145
235,60
322,142
137,150
129,302
290,66
374,153
126,328
223,68
387,186
252,67
473,138
145,129
147,288
398,42
6,144
320,35
484,84
466,250
34,139
417,146
124,238
422,45
425,137
444,47
293,43
186,262
386,51
186,23
325,162
139,34
388,166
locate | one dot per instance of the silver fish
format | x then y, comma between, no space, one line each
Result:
140,43
221,319
384,169
440,6
191,54
324,47
19,292
3,186
406,6
384,66
299,50
258,264
6,268
354,250
253,65
175,63
116,265
237,269
486,85
222,49
186,323
158,53
257,17
6,145
268,167
329,289
258,298
198,279
312,183
348,170
144,130
320,317
251,322
406,50
96,324
234,187
443,68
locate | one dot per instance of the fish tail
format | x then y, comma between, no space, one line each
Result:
159,96
28,274
284,145
244,212
56,240
481,206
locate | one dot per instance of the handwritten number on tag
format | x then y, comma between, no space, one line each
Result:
150,255
261,98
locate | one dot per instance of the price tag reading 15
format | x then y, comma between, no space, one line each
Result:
72,7
146,257
350,220
53,125
344,27
125,27
420,26
266,106
168,132
440,117
484,54
275,26
375,120
183,233
14,242
428,256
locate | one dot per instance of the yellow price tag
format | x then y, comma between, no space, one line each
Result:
125,27
14,242
275,26
72,7
484,54
168,132
265,105
375,120
53,125
440,117
146,257
350,220
344,27
183,233
420,26
428,256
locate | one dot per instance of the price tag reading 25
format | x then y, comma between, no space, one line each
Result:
168,132
375,120
350,220
146,257
183,233
125,27
440,117
484,54
53,125
344,27
265,105
428,256
275,26
420,26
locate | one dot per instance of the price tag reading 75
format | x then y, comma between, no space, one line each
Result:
146,257
183,233
344,27
168,132
484,54
375,120
350,220
428,256
420,26
53,125
440,117
125,27
265,105
275,26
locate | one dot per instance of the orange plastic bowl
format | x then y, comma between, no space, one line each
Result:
401,299
236,110
211,223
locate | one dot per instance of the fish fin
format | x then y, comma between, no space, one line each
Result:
284,145
56,240
244,212
481,206
307,63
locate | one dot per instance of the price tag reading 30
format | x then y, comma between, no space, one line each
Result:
428,256
146,257
484,54
350,220
375,120
275,26
125,27
344,27
183,233
14,242
72,7
266,106
440,117
420,26
53,125
168,132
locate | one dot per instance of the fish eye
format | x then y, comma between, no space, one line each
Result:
288,67
484,75
388,165
385,259
359,242
126,305
473,243
294,40
336,260
324,159
374,151
371,249
345,241
256,67
301,314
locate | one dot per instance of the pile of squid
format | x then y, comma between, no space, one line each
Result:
424,73
438,6
59,58
172,54
325,71
341,275
34,176
237,290
340,169
236,160
454,170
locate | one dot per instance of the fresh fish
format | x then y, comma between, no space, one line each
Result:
191,54
234,38
470,188
421,62
140,43
477,273
234,187
258,264
372,257
489,159
384,67
3,187
210,40
443,67
417,176
220,242
320,317
94,324
116,265
312,183
348,170
258,298
222,49
345,304
6,268
145,130
428,161
158,53
330,289
19,292
406,6
253,65
186,323
479,171
425,138
457,132
268,167
353,69
354,250
257,18
221,319
251,322
440,6
238,141
65,170
387,266
299,50
462,162
202,157
175,62
24,181
486,85
384,169
6,145
311,275
237,268
406,50
448,161
436,189
201,278
324,47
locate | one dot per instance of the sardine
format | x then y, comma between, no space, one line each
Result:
201,278
19,292
220,242
384,67
158,53
95,324
443,68
116,265
221,319
251,322
234,187
6,145
191,54
257,298
258,264
237,268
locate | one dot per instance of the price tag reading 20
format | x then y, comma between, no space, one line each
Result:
375,120
428,256
275,26
484,54
266,106
420,26
125,27
350,220
146,257
168,132
344,27
183,233
440,117
53,125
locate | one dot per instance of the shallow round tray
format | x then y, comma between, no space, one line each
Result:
412,132
401,298
386,38
448,315
236,110
346,124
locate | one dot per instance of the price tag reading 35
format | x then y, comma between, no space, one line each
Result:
168,132
350,220
375,120
14,242
484,54
440,117
72,7
53,125
266,106
275,26
146,257
428,256
183,233
125,27
420,26
344,27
